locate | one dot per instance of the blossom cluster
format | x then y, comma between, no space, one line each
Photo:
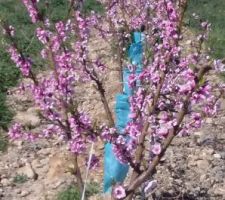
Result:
31,6
170,84
167,82
54,93
24,64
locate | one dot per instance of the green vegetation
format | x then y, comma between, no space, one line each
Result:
214,12
93,5
92,189
3,143
12,12
72,193
19,179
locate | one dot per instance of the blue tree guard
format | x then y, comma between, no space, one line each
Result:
114,171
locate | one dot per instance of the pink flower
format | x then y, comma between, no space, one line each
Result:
61,29
187,87
132,80
108,134
156,148
23,63
44,53
119,192
16,131
77,145
162,131
55,43
133,130
42,35
32,9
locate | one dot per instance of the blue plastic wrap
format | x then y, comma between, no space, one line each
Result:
114,171
135,51
126,89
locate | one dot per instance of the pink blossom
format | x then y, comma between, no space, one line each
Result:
32,9
24,64
132,80
162,131
16,131
156,148
61,29
119,192
134,130
108,134
77,145
120,149
43,35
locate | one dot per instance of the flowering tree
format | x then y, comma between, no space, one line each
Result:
171,95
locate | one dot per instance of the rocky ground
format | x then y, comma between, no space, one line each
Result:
192,169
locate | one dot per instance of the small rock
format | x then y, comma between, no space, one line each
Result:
218,156
5,182
219,190
179,181
57,184
16,164
222,155
36,164
100,197
28,171
188,42
198,133
44,161
206,154
219,177
18,143
209,151
221,136
28,118
3,176
45,151
192,160
209,120
18,191
24,193
1,192
203,164
33,110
